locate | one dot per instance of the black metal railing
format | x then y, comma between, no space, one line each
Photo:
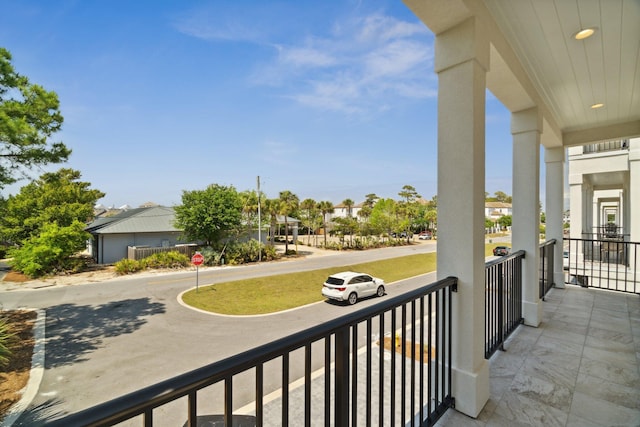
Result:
547,252
621,144
503,300
406,381
602,263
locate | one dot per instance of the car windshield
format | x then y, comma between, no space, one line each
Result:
334,281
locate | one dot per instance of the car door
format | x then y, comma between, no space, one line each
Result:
367,284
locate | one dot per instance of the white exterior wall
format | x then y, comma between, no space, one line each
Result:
601,181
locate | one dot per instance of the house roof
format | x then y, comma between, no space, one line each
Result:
141,220
497,205
280,220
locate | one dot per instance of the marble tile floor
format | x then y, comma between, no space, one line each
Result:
580,367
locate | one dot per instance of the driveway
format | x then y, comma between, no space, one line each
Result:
107,339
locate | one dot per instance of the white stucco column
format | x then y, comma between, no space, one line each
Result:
461,61
554,207
576,196
634,190
634,199
526,126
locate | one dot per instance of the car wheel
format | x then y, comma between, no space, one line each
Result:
380,291
353,298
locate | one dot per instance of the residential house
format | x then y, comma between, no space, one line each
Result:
343,211
495,210
112,235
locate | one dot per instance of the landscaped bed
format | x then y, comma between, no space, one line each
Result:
15,375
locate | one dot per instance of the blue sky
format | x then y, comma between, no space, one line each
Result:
330,100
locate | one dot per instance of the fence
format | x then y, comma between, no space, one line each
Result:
140,252
547,252
503,300
602,263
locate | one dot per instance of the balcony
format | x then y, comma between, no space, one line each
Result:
579,367
602,147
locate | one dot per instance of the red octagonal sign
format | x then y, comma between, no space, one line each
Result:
197,259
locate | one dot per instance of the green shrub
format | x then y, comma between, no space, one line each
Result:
235,253
211,256
269,253
50,251
127,266
171,259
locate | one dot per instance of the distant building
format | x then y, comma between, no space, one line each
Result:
496,210
342,211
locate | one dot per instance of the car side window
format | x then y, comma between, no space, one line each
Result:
365,279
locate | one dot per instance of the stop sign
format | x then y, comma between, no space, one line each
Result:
197,259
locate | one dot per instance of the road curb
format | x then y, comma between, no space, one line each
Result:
35,376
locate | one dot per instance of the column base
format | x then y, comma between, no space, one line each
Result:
532,313
558,279
471,389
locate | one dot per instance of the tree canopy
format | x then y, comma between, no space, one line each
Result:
29,115
57,197
46,222
211,214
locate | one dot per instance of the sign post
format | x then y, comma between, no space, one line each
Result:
197,259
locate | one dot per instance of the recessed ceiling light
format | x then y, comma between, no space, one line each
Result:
585,33
596,106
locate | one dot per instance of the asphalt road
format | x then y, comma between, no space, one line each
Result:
107,339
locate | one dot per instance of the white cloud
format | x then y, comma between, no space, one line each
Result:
366,65
361,66
306,57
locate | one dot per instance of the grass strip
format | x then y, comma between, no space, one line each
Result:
271,294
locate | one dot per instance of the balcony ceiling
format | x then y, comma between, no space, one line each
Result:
536,61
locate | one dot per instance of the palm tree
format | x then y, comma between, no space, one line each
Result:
348,203
249,208
410,195
272,207
310,208
289,204
325,207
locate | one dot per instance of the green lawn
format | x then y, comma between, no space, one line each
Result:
281,292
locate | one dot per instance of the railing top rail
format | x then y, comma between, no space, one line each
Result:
548,242
135,403
581,239
505,258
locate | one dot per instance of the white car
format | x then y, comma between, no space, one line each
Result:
349,286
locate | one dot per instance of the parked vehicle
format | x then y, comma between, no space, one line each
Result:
501,250
402,234
425,235
350,286
565,260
